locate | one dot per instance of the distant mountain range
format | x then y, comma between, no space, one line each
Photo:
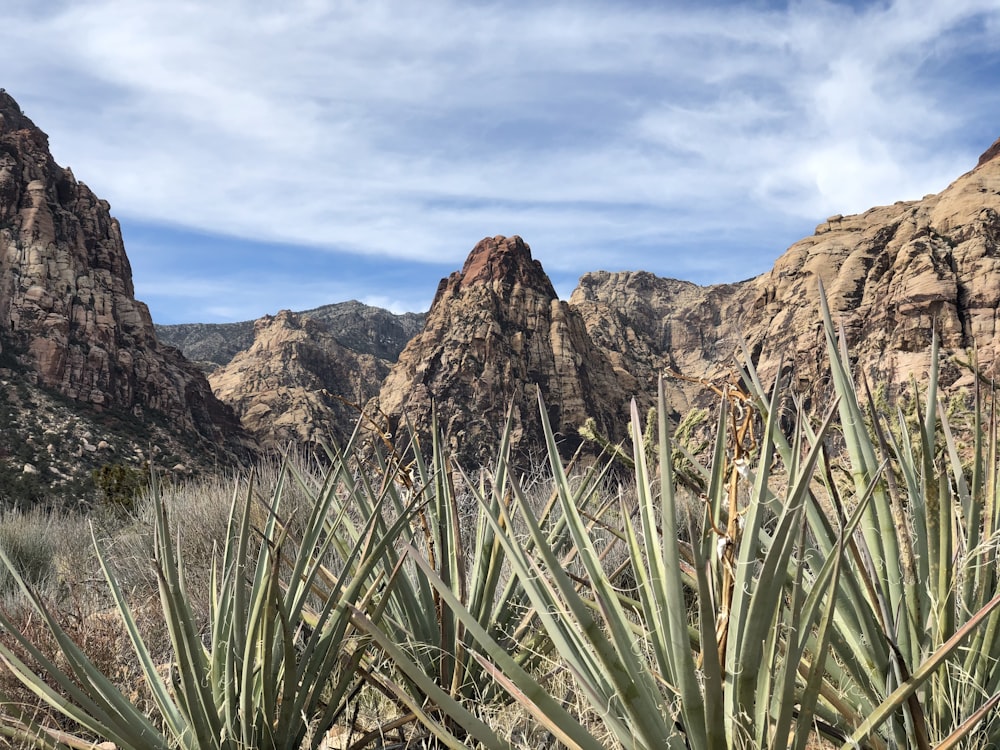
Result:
76,342
363,328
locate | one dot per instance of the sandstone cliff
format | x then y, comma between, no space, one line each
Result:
496,331
649,325
891,274
69,320
296,383
497,334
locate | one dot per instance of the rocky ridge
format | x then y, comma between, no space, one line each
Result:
891,275
496,336
363,328
79,348
69,321
296,383
496,332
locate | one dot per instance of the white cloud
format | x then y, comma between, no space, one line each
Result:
411,130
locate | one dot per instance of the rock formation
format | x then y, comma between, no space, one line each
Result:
296,382
69,320
649,325
496,331
496,335
363,328
891,274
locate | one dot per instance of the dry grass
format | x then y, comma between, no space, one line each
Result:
73,588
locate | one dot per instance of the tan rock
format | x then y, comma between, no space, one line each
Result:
496,335
891,274
295,382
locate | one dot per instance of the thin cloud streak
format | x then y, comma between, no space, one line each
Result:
596,130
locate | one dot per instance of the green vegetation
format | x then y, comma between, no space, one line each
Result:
120,486
797,597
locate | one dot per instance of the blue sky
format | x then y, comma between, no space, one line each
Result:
265,155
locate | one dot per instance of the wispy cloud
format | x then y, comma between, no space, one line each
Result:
608,134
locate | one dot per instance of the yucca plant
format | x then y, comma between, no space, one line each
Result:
633,660
427,641
794,629
922,578
254,675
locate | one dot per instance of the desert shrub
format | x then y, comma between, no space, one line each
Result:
119,486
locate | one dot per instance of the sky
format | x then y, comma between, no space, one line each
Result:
262,156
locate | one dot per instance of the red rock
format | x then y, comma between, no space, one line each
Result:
496,335
67,304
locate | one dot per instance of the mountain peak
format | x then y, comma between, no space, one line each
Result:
69,319
496,336
12,118
507,261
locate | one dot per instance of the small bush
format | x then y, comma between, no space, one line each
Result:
119,486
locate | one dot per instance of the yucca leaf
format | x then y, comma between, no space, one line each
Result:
921,674
440,698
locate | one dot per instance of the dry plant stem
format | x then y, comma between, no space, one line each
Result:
737,404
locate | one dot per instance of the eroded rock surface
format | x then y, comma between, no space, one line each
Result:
497,334
296,383
891,274
69,320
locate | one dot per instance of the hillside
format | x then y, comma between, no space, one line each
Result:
77,345
81,362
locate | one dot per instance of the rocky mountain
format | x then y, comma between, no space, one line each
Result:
78,353
208,345
496,335
496,332
297,383
649,325
891,274
363,328
71,328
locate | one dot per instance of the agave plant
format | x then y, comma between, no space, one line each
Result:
262,679
922,578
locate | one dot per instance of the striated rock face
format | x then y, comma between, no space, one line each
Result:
647,325
496,333
369,330
285,386
890,274
68,313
